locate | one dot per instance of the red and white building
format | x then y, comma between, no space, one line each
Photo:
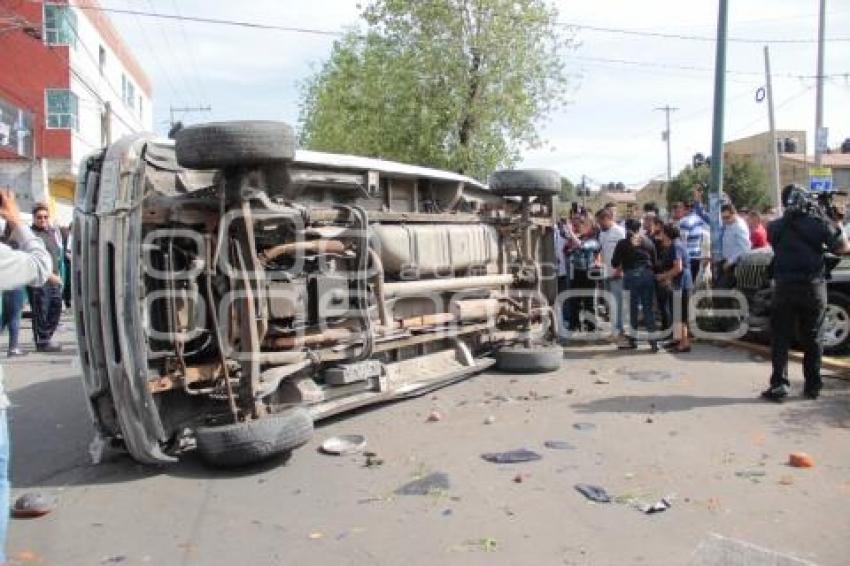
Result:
68,85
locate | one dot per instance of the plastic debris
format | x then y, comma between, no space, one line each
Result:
490,419
96,447
512,456
344,444
434,417
433,483
593,492
584,426
801,460
601,381
316,536
659,506
558,445
33,504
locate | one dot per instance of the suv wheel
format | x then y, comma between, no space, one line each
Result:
537,359
233,144
525,182
244,443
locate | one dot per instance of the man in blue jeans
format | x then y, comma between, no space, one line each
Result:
29,264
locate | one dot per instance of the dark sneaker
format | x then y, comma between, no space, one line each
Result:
811,393
49,347
15,353
775,394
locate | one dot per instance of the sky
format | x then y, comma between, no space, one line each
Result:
610,131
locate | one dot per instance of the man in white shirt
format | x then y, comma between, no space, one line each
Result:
29,264
609,234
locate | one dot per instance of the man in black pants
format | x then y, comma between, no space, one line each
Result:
800,239
46,301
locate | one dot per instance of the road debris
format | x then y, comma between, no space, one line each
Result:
786,480
512,456
372,460
602,381
490,419
434,417
33,504
659,506
519,478
433,483
584,426
752,475
344,444
801,460
558,445
316,535
593,492
115,559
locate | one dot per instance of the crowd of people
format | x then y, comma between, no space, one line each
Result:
649,265
46,301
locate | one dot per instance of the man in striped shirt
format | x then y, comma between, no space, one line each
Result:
695,227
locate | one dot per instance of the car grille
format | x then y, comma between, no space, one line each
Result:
752,271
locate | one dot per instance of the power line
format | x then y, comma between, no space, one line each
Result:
174,54
672,66
689,37
337,33
190,46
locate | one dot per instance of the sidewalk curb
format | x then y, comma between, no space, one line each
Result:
829,363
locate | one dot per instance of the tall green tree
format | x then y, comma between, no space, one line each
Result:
744,182
455,84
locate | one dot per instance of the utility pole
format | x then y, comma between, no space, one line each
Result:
666,137
173,109
820,132
584,191
717,128
774,151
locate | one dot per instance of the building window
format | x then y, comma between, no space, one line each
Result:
101,60
62,109
60,25
128,91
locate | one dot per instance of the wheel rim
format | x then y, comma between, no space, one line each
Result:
836,326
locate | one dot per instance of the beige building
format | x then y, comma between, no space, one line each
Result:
794,161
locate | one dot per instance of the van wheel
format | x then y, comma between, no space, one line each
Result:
525,182
537,359
231,144
244,443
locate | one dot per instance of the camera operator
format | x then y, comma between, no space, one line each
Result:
800,240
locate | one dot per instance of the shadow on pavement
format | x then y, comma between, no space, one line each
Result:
659,403
51,431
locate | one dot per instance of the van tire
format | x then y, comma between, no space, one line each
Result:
218,145
537,359
248,442
525,182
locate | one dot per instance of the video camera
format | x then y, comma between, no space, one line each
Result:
815,203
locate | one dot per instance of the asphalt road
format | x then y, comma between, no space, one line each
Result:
688,427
